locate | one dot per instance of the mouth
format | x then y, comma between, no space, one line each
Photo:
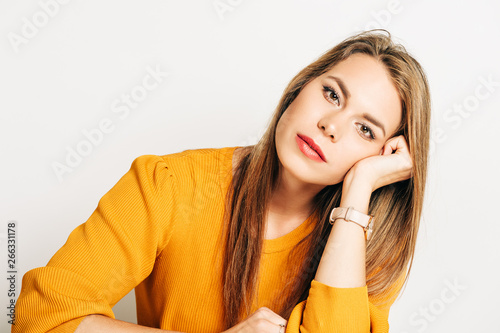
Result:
310,148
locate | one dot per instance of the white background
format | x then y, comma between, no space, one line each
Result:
226,72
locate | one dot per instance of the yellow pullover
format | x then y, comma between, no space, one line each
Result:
159,230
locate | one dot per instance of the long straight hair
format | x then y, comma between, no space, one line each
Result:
398,206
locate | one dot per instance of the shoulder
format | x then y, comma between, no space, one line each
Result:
188,167
198,157
204,165
194,154
198,160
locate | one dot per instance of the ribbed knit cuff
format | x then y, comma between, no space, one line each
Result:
330,309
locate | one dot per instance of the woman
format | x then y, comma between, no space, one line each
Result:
264,238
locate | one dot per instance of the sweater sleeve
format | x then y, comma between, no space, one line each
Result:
330,309
104,258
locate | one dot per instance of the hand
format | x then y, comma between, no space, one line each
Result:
394,164
264,320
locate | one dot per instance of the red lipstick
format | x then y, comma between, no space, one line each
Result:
310,148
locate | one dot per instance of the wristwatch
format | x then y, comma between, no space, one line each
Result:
351,215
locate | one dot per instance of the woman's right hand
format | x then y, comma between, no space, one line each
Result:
264,320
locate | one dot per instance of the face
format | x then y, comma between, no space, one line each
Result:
348,113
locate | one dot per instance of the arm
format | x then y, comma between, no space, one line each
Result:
105,257
340,280
343,262
98,323
342,265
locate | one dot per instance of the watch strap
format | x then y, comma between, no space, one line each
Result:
349,214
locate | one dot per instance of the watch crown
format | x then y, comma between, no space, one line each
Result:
369,232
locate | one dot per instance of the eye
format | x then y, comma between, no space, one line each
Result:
365,131
331,95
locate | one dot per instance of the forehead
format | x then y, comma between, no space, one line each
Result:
371,89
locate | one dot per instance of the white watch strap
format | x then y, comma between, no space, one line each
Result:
351,215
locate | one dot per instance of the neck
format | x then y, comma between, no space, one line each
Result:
292,199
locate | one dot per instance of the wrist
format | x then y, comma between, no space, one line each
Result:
356,192
350,214
360,180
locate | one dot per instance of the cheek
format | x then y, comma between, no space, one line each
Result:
280,128
287,123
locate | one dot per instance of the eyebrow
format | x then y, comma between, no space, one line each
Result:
341,84
374,121
346,93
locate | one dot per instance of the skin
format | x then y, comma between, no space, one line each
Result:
363,165
336,123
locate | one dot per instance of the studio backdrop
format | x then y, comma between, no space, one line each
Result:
88,86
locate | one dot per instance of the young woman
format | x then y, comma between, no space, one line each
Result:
268,238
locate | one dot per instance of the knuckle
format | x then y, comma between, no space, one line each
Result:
261,324
405,164
265,309
409,163
261,312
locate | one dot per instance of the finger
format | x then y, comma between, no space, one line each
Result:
272,316
395,145
390,147
387,149
400,147
280,322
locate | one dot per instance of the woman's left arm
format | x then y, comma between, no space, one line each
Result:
343,262
341,271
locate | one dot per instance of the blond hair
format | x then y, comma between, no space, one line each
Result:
397,207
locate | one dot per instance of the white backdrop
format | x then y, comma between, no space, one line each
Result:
219,68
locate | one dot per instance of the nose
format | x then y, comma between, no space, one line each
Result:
329,124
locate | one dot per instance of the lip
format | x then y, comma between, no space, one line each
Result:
310,142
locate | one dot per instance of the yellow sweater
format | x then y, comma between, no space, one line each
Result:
158,230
